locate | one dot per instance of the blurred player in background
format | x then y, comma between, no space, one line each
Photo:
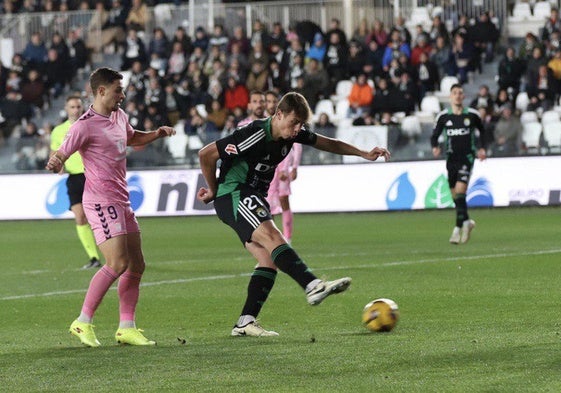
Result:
76,179
249,157
464,140
256,106
102,135
286,172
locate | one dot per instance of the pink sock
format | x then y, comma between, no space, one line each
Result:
99,285
287,225
129,289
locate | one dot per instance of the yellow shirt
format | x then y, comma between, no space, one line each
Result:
74,164
555,65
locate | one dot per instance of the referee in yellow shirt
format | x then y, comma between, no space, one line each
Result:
76,179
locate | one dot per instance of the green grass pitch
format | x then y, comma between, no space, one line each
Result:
480,317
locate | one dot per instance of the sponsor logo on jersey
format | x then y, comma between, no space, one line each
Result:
457,131
449,123
231,149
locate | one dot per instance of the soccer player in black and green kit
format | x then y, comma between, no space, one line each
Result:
76,180
249,157
464,139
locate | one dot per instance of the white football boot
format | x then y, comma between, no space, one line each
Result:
456,235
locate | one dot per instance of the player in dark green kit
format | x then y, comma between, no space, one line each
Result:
249,157
464,139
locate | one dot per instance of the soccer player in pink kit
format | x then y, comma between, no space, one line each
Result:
279,190
102,135
286,172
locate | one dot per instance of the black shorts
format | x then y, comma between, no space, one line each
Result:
459,170
243,210
75,188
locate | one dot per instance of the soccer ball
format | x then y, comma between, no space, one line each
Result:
380,315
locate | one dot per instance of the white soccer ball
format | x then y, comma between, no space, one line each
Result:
380,315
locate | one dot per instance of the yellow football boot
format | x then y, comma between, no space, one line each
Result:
84,331
132,336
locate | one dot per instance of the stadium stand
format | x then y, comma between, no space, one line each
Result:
206,58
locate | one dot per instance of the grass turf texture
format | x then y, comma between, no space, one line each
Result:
477,317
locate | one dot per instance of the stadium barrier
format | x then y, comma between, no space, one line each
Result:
496,182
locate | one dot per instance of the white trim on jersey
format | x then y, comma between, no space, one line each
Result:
474,111
252,140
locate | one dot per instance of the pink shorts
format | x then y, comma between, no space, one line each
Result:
108,220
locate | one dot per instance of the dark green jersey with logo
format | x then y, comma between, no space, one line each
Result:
463,133
250,155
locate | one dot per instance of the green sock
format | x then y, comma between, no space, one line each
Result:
461,209
290,263
260,284
87,239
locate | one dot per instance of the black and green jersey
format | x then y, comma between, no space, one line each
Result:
250,155
463,133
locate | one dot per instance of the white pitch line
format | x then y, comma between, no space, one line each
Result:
367,266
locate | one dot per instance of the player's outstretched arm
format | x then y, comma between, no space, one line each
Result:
208,156
56,162
141,138
337,146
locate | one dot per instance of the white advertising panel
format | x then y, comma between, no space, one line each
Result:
328,188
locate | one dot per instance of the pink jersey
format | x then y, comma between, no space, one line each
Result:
102,143
245,121
292,160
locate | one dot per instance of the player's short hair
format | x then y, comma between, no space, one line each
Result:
103,76
256,92
73,97
456,86
296,102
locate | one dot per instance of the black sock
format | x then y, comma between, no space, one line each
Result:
260,284
290,263
461,209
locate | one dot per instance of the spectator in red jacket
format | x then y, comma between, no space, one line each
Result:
236,95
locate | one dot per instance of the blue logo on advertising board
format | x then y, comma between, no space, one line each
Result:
136,193
479,193
57,202
401,194
57,198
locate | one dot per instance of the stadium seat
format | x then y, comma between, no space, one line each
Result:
411,126
552,136
324,106
177,144
542,10
162,14
531,133
420,16
201,108
342,90
126,77
430,104
445,84
549,116
522,101
522,11
529,116
438,11
341,109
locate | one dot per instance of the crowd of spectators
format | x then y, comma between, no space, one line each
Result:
204,80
